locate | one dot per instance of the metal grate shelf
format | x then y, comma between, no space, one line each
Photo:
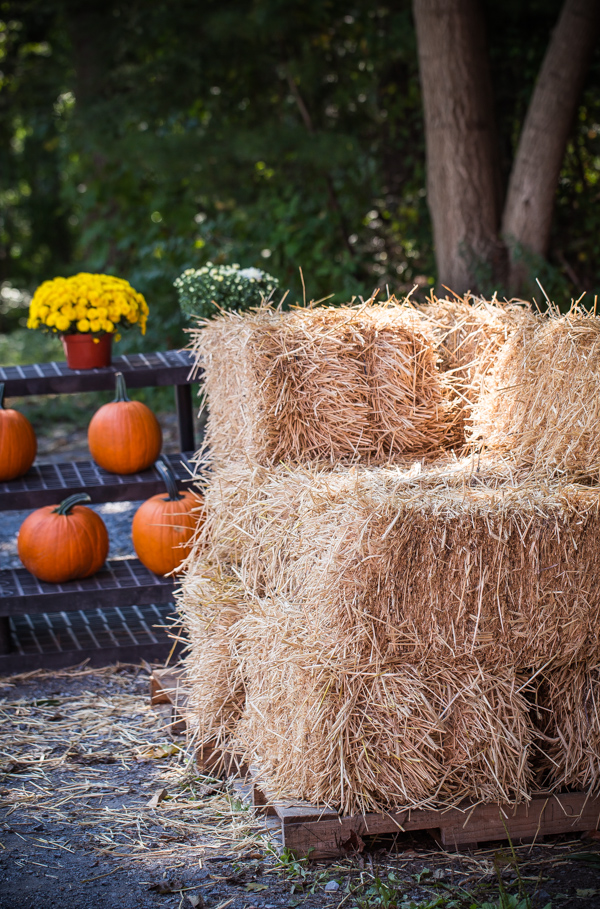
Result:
119,583
47,484
171,367
101,636
26,602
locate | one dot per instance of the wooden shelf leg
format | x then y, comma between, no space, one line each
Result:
5,636
185,417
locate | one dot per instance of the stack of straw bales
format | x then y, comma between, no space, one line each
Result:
540,407
365,607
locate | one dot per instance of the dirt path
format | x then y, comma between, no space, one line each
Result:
101,809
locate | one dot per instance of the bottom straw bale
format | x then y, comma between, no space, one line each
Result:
487,734
361,735
569,714
359,743
210,603
337,728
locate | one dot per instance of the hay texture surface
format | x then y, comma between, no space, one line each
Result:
469,332
540,404
569,713
210,603
464,560
345,731
344,385
377,740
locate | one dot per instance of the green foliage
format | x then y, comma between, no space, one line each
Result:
143,140
201,290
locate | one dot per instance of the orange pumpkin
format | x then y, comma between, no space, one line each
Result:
124,436
63,542
163,526
18,444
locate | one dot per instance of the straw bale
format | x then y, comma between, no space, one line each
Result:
465,559
371,736
540,403
343,385
487,734
210,602
469,332
569,718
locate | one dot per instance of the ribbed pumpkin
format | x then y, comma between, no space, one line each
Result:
18,444
63,542
164,525
124,436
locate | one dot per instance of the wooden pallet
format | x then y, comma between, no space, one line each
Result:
166,687
321,833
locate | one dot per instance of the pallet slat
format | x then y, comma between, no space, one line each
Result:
167,687
544,815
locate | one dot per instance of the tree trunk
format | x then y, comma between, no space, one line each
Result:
90,26
463,174
529,205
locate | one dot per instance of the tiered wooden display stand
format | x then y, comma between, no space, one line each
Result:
66,621
321,833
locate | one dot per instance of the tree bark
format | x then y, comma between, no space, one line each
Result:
534,177
463,174
90,26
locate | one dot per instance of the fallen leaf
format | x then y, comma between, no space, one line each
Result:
157,798
586,892
197,900
255,887
157,752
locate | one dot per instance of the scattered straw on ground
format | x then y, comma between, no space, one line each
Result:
67,760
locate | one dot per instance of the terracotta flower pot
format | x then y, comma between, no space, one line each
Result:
87,352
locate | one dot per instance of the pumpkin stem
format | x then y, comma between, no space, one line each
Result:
67,504
121,388
166,472
1,395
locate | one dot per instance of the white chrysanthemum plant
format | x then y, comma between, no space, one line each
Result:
202,291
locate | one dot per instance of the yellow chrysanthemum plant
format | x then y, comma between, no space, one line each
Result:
87,304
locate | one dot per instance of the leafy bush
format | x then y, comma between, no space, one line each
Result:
227,286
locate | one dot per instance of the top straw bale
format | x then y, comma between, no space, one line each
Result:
329,385
540,403
469,331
